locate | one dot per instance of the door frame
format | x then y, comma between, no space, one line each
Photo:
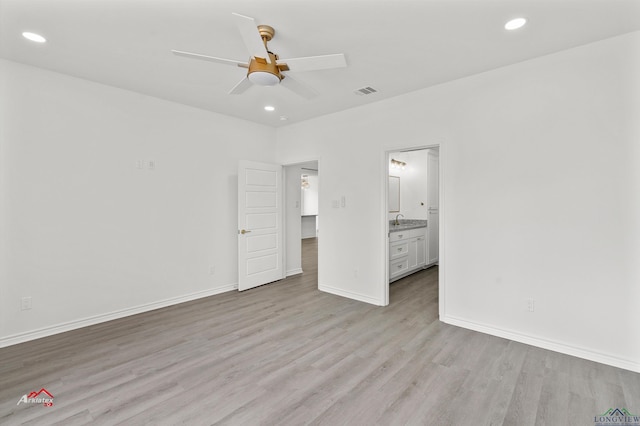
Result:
441,233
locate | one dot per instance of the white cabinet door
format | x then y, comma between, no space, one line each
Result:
421,251
412,258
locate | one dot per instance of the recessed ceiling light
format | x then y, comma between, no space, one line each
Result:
514,24
283,118
34,37
269,108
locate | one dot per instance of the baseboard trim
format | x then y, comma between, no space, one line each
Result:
294,272
97,319
545,344
350,295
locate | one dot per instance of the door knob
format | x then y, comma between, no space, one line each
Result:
244,232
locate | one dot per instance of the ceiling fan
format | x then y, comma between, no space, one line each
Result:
265,68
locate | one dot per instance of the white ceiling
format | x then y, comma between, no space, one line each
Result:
394,46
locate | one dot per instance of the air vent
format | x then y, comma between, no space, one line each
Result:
365,91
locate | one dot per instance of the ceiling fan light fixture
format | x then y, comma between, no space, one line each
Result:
263,78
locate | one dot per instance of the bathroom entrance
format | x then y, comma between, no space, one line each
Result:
413,212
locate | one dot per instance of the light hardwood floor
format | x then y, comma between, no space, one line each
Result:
287,354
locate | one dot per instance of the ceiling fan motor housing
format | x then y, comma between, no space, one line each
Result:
264,73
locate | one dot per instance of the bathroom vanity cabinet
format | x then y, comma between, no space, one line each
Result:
407,251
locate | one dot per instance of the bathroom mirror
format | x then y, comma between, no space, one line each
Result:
394,194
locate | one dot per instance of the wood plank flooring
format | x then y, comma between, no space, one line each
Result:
287,354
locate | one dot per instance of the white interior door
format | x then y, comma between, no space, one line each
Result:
433,160
260,250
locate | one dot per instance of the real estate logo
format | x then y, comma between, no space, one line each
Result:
617,416
41,397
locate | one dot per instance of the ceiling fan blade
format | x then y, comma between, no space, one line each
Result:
298,88
210,58
241,87
312,63
251,36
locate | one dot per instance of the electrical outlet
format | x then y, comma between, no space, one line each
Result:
335,204
25,303
151,164
531,305
140,164
343,201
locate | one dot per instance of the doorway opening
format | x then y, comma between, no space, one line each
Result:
302,219
412,215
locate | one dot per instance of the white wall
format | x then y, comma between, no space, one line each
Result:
309,227
310,195
541,197
88,235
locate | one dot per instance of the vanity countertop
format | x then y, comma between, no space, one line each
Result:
406,224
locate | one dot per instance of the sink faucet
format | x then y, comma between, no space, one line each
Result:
397,222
